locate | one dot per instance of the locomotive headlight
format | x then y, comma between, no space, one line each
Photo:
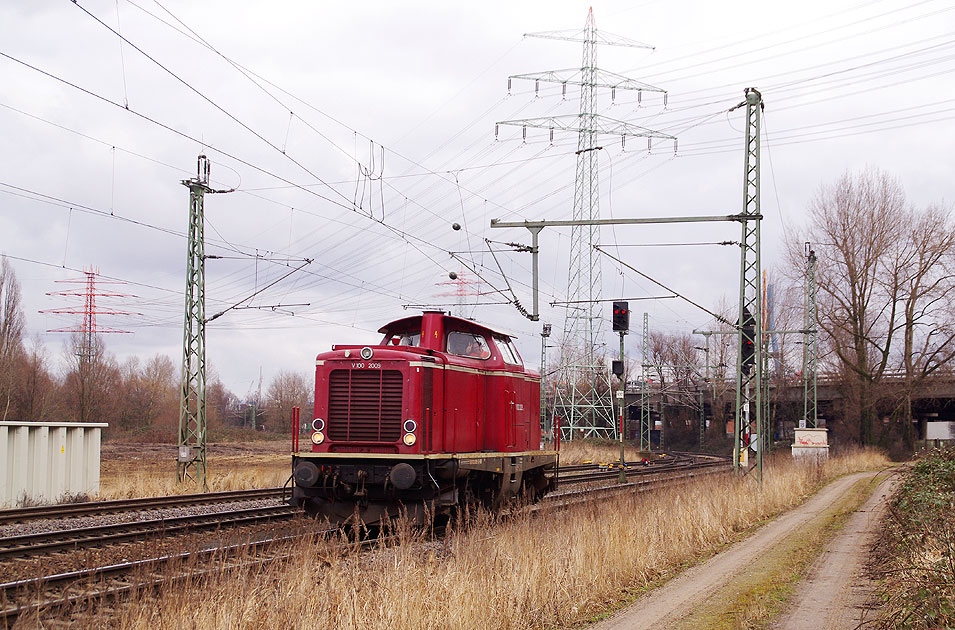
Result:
318,424
366,353
409,439
318,437
410,425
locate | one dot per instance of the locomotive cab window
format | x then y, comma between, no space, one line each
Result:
402,339
468,345
508,351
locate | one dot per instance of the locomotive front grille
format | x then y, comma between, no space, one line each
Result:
364,405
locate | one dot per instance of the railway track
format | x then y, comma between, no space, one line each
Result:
570,474
95,508
83,537
80,589
21,598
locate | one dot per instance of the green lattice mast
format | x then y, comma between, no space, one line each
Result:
191,463
749,377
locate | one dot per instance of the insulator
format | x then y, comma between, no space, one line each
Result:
639,97
496,130
508,85
665,99
649,144
524,129
675,144
552,135
613,94
623,142
537,85
563,93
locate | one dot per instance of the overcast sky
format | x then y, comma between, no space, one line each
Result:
355,134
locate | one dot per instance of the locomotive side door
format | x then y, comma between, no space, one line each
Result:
464,391
432,407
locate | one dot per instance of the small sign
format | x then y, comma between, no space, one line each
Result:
619,394
185,453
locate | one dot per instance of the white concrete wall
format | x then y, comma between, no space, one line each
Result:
940,430
43,461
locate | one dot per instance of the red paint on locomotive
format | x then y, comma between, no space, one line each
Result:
440,400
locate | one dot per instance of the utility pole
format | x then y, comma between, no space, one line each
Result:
749,379
191,461
585,409
810,409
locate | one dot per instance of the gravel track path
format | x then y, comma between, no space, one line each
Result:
836,594
666,606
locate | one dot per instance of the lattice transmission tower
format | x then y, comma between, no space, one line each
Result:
88,329
583,402
87,349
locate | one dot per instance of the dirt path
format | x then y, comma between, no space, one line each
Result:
835,594
667,606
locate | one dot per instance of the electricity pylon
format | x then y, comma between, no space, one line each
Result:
583,385
191,461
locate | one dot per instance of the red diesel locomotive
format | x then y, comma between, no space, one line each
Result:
441,413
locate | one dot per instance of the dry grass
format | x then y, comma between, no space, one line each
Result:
553,571
125,479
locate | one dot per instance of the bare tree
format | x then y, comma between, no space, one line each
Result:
91,386
855,228
927,282
36,388
287,390
149,394
11,333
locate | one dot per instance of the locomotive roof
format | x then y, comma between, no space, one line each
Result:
409,322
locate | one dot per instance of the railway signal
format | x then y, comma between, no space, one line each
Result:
748,350
621,316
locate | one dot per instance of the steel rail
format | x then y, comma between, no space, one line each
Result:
634,472
46,542
16,515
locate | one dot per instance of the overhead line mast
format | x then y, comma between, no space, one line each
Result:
191,460
749,364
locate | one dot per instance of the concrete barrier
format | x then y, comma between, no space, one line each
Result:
43,461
